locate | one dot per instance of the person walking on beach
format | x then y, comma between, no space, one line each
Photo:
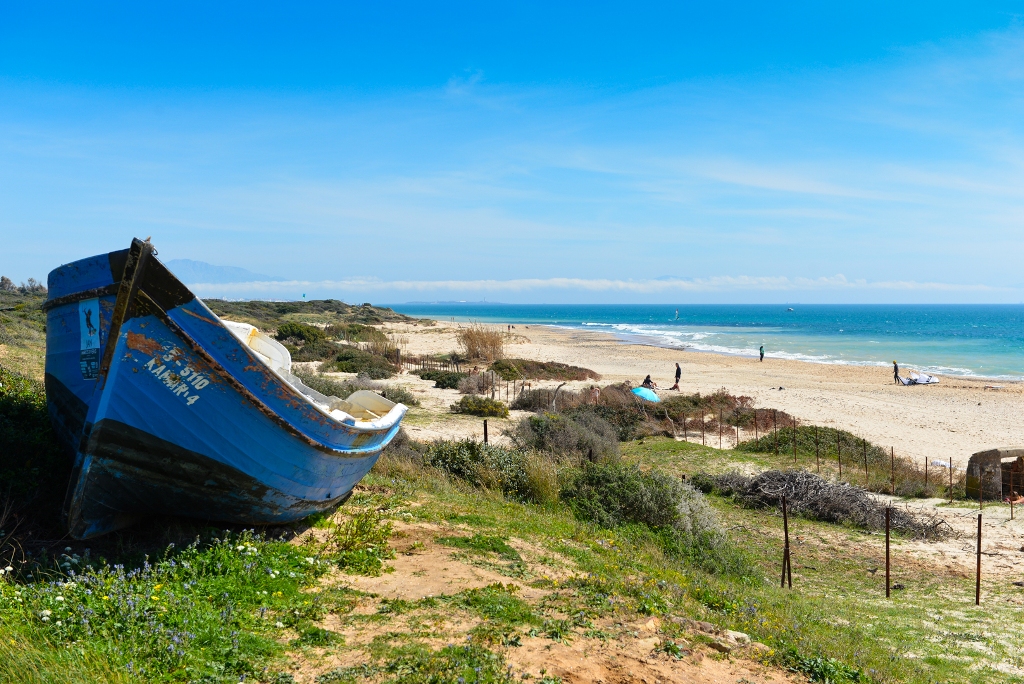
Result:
679,374
762,352
896,373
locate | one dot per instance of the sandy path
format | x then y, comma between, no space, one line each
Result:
952,419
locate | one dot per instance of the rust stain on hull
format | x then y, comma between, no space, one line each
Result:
141,343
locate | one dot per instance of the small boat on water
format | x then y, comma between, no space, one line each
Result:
168,410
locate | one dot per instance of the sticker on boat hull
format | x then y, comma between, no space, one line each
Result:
89,326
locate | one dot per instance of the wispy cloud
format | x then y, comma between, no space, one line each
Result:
660,285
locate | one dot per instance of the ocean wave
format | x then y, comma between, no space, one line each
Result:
718,342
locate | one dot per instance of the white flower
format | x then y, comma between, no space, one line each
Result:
60,598
279,624
58,623
8,569
45,613
67,548
46,619
310,560
240,547
291,574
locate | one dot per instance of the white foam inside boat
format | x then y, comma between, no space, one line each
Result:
362,409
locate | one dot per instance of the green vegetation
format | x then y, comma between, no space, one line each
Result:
578,435
443,379
300,332
474,405
525,369
271,315
22,330
354,360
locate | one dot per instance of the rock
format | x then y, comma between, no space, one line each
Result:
721,647
757,649
898,587
737,637
652,625
705,627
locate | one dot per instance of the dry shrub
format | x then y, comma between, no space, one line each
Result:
581,436
477,342
814,497
520,369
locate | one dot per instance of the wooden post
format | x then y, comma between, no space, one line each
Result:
887,509
817,451
864,443
1012,495
737,435
794,441
485,431
719,428
686,435
775,422
755,426
892,469
839,453
702,427
977,577
786,564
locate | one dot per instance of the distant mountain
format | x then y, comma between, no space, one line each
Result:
191,272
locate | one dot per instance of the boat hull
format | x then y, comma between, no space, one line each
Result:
183,419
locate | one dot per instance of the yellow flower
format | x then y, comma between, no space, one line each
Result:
155,598
158,587
106,598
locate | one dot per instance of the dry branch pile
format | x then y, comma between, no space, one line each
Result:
813,497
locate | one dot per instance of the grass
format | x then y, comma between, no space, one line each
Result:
22,332
176,601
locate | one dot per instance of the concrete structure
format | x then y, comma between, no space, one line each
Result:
992,470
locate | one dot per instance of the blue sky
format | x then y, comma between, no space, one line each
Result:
586,153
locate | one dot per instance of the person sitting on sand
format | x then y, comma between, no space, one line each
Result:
648,383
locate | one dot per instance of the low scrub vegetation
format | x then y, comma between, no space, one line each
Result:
580,435
518,474
474,405
525,369
443,379
614,494
350,359
827,445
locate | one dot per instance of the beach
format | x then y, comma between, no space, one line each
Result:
952,419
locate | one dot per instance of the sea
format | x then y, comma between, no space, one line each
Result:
983,341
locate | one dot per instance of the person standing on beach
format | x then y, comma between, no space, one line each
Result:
679,374
896,373
762,352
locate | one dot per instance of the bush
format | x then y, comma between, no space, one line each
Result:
477,342
320,350
352,360
443,379
518,475
522,369
306,334
474,405
584,435
613,494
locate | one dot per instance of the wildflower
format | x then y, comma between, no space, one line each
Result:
155,597
46,618
58,623
279,624
106,598
66,549
60,598
158,587
45,613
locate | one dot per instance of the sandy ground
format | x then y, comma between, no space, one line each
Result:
953,419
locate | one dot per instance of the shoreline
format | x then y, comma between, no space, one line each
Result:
952,419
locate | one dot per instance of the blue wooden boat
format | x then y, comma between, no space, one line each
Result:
168,410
